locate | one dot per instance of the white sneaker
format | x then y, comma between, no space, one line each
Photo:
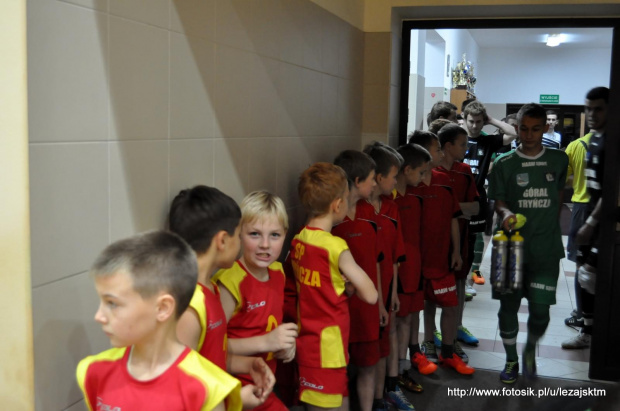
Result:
581,340
470,290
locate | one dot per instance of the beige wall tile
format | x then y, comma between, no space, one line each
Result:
64,332
312,42
292,25
193,17
100,5
192,87
375,111
236,25
294,157
290,92
68,208
191,163
263,160
153,12
265,105
329,105
331,41
311,103
67,54
230,162
377,58
138,187
269,33
139,81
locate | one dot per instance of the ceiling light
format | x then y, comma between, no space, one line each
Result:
554,40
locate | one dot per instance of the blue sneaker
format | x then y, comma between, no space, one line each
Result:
510,372
437,338
428,349
529,364
398,399
463,335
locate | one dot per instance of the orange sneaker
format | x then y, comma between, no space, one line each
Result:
478,278
422,363
458,364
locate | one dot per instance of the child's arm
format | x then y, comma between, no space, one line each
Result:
507,216
366,290
456,260
261,374
383,314
470,209
189,329
395,306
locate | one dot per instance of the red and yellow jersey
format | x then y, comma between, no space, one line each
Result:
322,305
362,238
259,305
410,210
191,383
207,305
439,207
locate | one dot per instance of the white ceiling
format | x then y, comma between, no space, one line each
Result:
535,37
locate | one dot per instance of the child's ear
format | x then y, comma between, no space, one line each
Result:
220,239
336,204
166,306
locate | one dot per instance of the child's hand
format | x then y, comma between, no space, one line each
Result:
509,222
395,305
384,317
457,261
283,337
251,397
286,355
263,379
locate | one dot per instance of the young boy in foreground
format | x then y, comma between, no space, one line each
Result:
144,284
530,181
252,290
209,221
324,269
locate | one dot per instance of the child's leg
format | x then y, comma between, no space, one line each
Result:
509,324
429,320
537,323
392,359
380,371
460,294
448,330
403,326
366,386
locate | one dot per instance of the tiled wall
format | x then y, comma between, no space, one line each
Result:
132,100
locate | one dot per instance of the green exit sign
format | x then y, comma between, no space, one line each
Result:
549,99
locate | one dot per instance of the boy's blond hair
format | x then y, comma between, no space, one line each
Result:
261,204
319,185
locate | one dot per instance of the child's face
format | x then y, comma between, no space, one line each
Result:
366,187
457,149
262,242
474,124
531,132
343,208
413,176
125,317
232,247
436,153
385,184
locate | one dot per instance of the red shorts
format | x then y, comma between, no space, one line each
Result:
323,387
410,303
441,291
364,354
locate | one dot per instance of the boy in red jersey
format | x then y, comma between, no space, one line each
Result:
441,254
209,221
384,213
252,290
360,232
453,139
325,269
416,163
144,284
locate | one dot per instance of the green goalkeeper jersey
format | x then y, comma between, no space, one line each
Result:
532,186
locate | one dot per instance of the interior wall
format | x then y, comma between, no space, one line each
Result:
509,75
131,101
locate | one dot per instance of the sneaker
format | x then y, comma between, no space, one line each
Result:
469,289
581,340
463,335
529,364
428,349
510,372
574,322
380,405
408,383
437,338
422,363
398,399
477,276
573,313
458,350
468,297
458,364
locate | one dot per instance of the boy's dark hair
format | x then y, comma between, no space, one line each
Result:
384,156
414,155
512,116
533,110
449,133
475,108
156,261
598,93
436,125
441,109
319,185
551,112
198,213
356,164
423,138
459,117
465,103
